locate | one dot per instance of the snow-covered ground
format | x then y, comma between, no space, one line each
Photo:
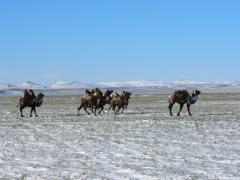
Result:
143,143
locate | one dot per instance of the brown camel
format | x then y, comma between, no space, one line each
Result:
90,101
30,100
119,101
182,97
105,99
125,101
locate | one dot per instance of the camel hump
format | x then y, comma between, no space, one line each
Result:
25,93
87,91
181,91
114,95
32,94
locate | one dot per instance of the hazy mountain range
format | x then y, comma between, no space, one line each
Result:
134,86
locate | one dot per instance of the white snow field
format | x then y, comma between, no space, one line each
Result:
143,143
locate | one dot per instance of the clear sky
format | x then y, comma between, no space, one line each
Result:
117,40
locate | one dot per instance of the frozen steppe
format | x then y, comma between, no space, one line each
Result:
143,143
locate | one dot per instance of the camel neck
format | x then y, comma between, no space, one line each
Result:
193,99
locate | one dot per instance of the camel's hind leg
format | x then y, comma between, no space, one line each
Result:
33,109
85,109
21,108
123,108
170,108
79,108
110,107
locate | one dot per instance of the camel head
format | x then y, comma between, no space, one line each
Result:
196,93
193,99
127,94
107,95
98,92
108,92
40,99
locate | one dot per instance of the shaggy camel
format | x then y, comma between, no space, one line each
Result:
182,97
90,101
30,100
105,99
119,101
126,100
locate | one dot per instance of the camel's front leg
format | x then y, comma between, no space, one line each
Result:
101,110
188,108
34,109
110,107
170,108
95,110
123,108
117,111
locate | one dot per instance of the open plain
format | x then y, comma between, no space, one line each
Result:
143,143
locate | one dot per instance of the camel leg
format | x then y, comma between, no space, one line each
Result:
21,108
101,110
117,110
123,108
95,110
85,109
188,108
170,108
110,107
181,106
35,112
114,109
79,108
31,112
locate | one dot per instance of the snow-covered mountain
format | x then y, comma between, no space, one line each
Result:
25,85
134,86
185,82
30,85
69,85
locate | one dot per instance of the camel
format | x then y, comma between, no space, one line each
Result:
119,101
105,99
90,101
125,101
87,94
30,100
182,97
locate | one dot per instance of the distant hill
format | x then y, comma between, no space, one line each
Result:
76,87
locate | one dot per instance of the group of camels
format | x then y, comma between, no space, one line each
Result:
96,100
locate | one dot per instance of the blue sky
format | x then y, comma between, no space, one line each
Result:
100,41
